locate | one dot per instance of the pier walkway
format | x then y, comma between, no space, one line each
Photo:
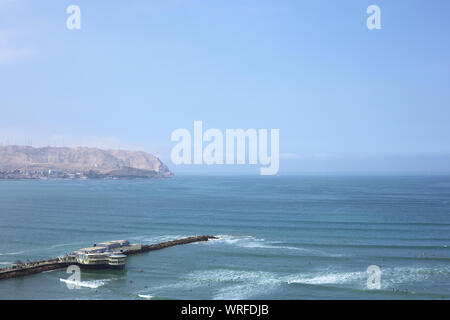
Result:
34,267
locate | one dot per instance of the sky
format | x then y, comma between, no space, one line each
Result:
345,98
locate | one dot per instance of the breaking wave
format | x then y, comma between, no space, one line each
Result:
251,242
11,253
390,277
329,278
240,284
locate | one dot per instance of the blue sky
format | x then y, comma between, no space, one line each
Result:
345,98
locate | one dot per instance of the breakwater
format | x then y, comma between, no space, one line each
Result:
172,243
34,267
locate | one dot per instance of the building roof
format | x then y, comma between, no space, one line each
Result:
107,243
93,249
103,246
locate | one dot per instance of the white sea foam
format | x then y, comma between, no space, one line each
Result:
328,278
145,296
225,275
246,242
92,284
231,284
238,284
241,284
393,277
11,253
228,284
259,243
390,277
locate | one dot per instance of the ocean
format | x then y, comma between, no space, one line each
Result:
283,237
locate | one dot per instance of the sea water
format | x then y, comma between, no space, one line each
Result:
283,237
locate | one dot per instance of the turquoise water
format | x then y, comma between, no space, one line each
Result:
303,237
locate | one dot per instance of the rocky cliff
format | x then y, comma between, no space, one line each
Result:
81,162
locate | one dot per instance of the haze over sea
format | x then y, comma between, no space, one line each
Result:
283,237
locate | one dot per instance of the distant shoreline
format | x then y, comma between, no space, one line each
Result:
25,162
